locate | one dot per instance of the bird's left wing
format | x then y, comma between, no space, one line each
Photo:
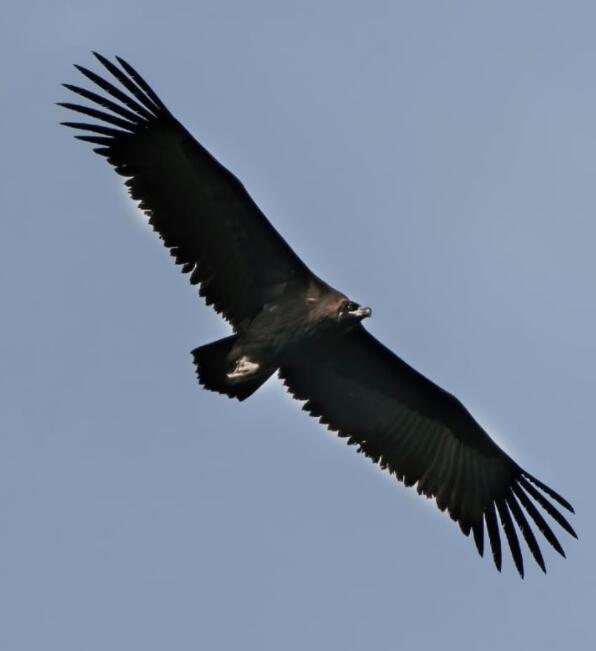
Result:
201,211
424,436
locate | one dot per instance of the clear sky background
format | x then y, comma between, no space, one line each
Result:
435,160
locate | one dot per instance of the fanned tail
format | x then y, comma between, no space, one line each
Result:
212,366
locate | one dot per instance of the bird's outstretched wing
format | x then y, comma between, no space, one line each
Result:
424,436
200,210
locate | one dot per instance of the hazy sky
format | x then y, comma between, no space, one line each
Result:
435,160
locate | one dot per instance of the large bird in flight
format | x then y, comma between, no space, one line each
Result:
286,320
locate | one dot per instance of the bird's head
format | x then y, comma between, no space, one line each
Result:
350,312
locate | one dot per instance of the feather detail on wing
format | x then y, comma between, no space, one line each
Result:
200,210
424,436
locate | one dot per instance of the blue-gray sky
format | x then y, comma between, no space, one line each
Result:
436,160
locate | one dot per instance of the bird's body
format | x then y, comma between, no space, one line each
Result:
288,321
285,329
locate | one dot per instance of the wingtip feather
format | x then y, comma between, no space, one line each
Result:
549,491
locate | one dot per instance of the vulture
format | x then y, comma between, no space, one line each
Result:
286,320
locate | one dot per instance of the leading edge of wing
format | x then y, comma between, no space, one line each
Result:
424,436
203,213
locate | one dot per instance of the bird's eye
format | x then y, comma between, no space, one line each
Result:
350,307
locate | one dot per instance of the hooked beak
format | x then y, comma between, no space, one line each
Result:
361,313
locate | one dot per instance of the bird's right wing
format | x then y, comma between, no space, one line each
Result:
200,210
424,436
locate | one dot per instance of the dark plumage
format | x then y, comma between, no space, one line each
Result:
286,320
